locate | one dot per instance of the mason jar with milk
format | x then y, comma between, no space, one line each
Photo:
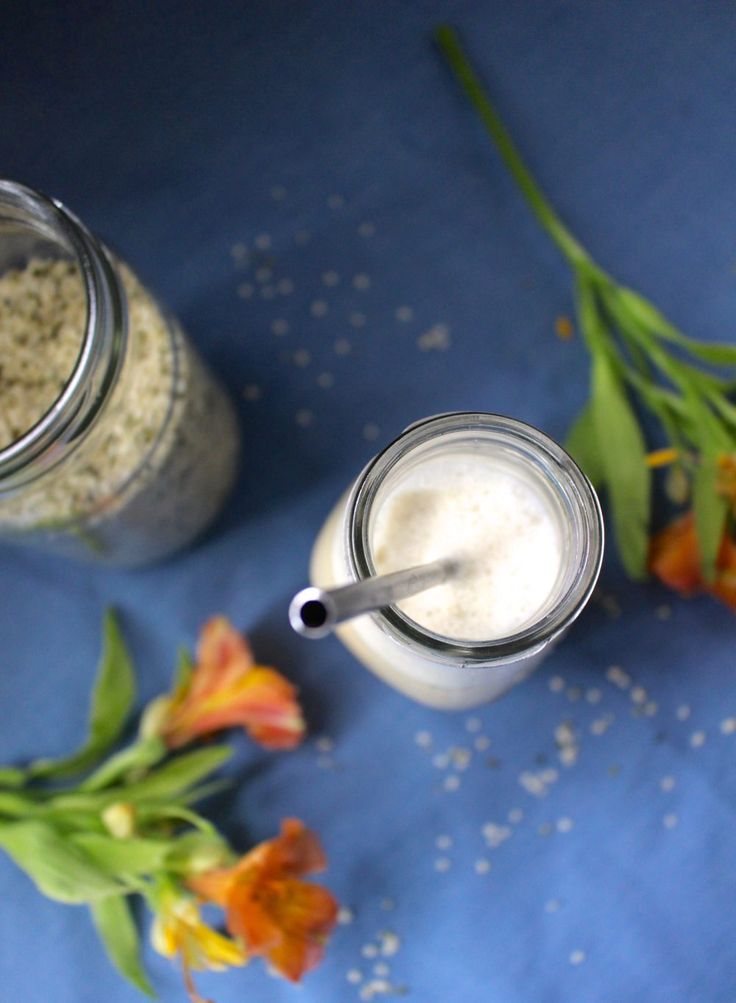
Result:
516,519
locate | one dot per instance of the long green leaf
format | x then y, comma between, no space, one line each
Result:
132,856
143,754
703,415
648,316
17,804
117,930
623,454
59,868
590,319
112,698
172,782
725,409
712,436
180,813
615,431
582,444
153,811
12,776
176,777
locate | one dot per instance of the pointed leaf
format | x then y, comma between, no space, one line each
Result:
117,931
143,754
651,319
112,697
161,809
12,776
132,856
707,430
583,446
17,804
622,448
623,455
61,870
174,778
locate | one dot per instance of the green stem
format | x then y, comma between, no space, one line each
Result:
179,814
16,805
449,44
142,754
12,777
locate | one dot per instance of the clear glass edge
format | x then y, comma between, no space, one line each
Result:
533,638
33,452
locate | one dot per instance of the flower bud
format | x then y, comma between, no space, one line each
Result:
119,819
154,717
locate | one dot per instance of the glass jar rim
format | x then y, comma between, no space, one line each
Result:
101,349
580,491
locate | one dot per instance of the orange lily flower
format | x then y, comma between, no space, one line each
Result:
674,559
178,929
227,689
268,908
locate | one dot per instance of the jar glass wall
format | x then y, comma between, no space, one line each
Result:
116,443
445,671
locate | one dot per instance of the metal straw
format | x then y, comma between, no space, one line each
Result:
314,612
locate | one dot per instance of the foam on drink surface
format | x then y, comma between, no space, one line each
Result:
496,520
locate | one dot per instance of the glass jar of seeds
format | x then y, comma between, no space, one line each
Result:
116,443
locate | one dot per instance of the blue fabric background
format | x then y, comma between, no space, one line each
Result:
180,130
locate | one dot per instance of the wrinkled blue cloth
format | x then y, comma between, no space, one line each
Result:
574,842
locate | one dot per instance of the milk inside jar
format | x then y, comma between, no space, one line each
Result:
506,502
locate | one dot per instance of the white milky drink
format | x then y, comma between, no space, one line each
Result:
512,507
487,516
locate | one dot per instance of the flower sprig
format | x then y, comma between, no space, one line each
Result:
638,357
127,825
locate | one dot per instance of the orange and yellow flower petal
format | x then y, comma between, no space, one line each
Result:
178,929
268,908
674,556
261,701
675,559
296,850
287,921
211,949
223,656
662,457
226,689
